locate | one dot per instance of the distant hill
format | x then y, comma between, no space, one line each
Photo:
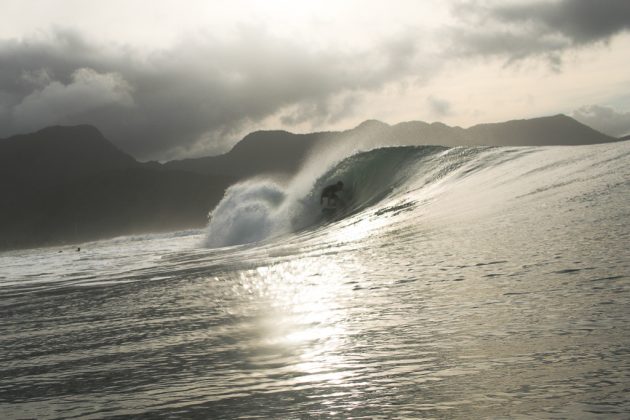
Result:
70,184
625,137
55,154
282,152
546,131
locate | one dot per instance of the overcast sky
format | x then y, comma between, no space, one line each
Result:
166,79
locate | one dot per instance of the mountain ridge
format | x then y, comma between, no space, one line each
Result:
278,151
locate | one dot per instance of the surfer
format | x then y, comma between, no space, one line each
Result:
329,200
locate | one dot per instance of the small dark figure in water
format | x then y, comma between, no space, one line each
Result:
79,249
329,199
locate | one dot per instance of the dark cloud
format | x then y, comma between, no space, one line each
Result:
190,98
605,119
580,21
534,28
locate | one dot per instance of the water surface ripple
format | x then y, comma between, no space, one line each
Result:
406,309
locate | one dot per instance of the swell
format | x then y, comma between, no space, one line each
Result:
456,181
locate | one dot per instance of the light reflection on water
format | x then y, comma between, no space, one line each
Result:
301,323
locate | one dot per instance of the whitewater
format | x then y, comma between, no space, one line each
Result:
469,282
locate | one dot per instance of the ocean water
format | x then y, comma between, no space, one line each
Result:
459,283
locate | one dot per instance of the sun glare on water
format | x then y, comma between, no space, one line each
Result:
303,323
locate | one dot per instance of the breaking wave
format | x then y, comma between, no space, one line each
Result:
465,179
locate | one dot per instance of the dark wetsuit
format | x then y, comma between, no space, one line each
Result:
330,192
